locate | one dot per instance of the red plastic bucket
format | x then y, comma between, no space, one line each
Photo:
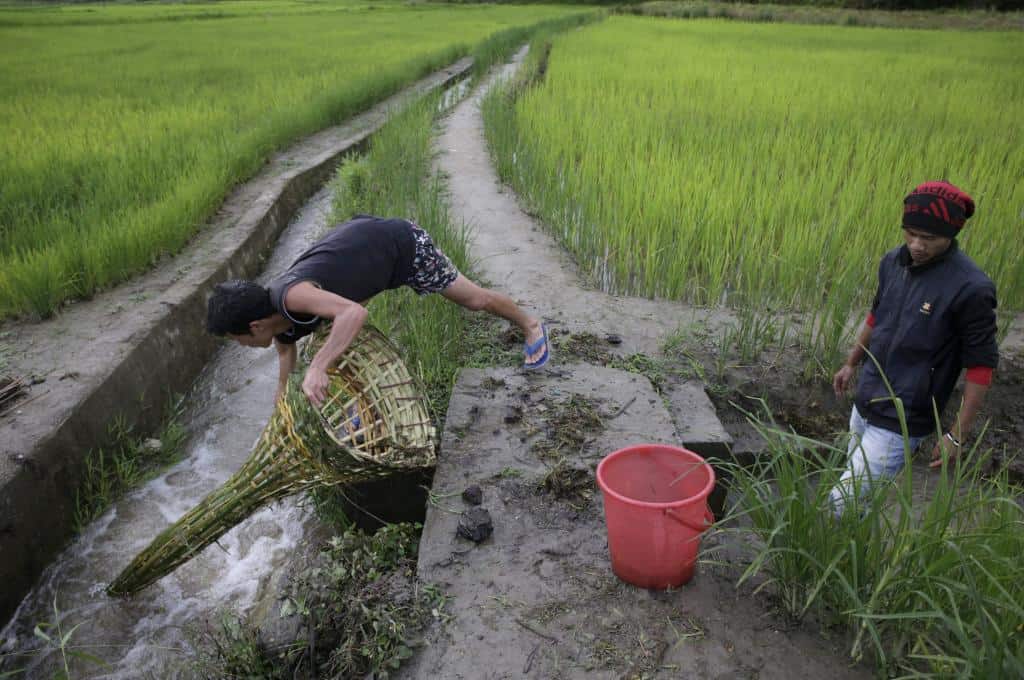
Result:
655,507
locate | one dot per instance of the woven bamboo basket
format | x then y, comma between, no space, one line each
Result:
374,422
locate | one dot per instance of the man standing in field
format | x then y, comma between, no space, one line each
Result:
933,315
334,279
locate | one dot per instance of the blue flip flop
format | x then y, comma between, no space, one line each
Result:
355,423
530,349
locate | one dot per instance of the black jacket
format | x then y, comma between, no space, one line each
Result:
931,321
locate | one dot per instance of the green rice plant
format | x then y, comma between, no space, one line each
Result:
500,45
930,589
126,462
124,130
846,13
764,165
57,639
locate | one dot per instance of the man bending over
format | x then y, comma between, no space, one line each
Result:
334,279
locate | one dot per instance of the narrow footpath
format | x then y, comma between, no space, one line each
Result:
517,257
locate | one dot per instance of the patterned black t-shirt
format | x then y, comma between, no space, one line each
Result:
356,260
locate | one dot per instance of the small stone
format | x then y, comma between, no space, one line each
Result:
513,414
473,495
475,524
613,339
152,445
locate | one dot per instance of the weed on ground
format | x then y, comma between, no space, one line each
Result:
567,428
925,586
360,609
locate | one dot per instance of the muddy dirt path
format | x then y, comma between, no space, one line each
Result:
515,255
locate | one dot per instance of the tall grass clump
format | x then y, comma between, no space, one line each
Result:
717,161
924,584
123,130
128,461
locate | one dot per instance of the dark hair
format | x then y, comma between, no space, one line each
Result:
234,304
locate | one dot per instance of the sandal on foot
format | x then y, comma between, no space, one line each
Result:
529,349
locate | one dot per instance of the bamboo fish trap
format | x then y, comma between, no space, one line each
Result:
374,422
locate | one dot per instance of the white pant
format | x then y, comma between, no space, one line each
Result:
874,454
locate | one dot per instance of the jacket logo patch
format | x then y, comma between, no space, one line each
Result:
926,308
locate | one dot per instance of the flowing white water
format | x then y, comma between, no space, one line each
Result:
145,637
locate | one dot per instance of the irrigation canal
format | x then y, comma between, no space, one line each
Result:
141,637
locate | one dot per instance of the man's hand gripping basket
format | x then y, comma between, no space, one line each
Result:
375,421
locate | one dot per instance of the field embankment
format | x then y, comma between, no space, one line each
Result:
126,125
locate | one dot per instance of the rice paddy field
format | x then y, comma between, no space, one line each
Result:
765,164
124,125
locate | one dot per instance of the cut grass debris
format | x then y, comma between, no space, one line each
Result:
361,605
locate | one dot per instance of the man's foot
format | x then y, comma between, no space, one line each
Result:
537,349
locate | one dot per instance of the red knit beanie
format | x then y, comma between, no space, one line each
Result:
937,207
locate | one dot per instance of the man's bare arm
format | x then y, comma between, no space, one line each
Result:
347,318
286,357
844,376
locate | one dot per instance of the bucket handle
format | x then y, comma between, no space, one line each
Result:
709,519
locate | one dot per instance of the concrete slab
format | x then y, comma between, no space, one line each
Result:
700,431
538,599
696,421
